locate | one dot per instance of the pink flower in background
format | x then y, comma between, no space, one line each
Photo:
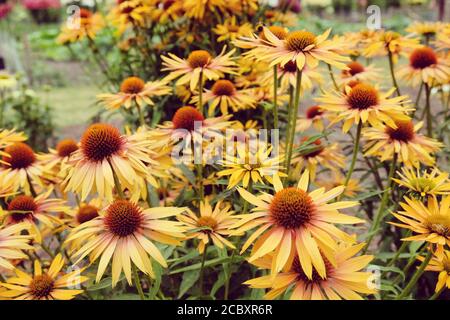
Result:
5,9
292,5
41,4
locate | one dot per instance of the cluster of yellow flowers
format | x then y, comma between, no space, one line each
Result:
114,201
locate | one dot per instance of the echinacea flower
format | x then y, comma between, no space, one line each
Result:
251,166
344,280
302,47
358,72
32,211
314,116
134,91
50,284
364,103
230,30
321,155
411,147
296,223
441,265
390,43
125,232
338,179
198,9
225,95
87,25
426,29
130,14
188,122
198,62
429,222
104,153
9,137
12,244
210,225
423,183
426,66
56,159
21,166
258,42
287,76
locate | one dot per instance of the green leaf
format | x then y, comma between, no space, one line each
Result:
154,197
368,195
218,284
414,246
126,296
189,256
103,284
189,279
187,173
156,284
209,263
393,269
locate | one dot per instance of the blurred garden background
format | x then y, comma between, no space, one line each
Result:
60,83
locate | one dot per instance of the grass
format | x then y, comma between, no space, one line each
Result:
72,105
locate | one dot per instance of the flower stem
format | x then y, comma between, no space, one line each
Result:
355,154
415,277
137,280
428,111
200,92
33,192
202,269
437,294
391,68
275,92
117,183
228,276
399,251
408,265
332,77
292,122
384,201
141,115
419,95
288,123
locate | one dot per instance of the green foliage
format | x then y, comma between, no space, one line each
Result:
25,111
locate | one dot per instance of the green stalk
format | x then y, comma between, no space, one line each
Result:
437,294
391,68
288,123
408,265
400,250
428,110
200,92
290,142
332,77
117,183
202,269
33,192
228,276
137,280
275,92
355,154
141,115
415,277
384,201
